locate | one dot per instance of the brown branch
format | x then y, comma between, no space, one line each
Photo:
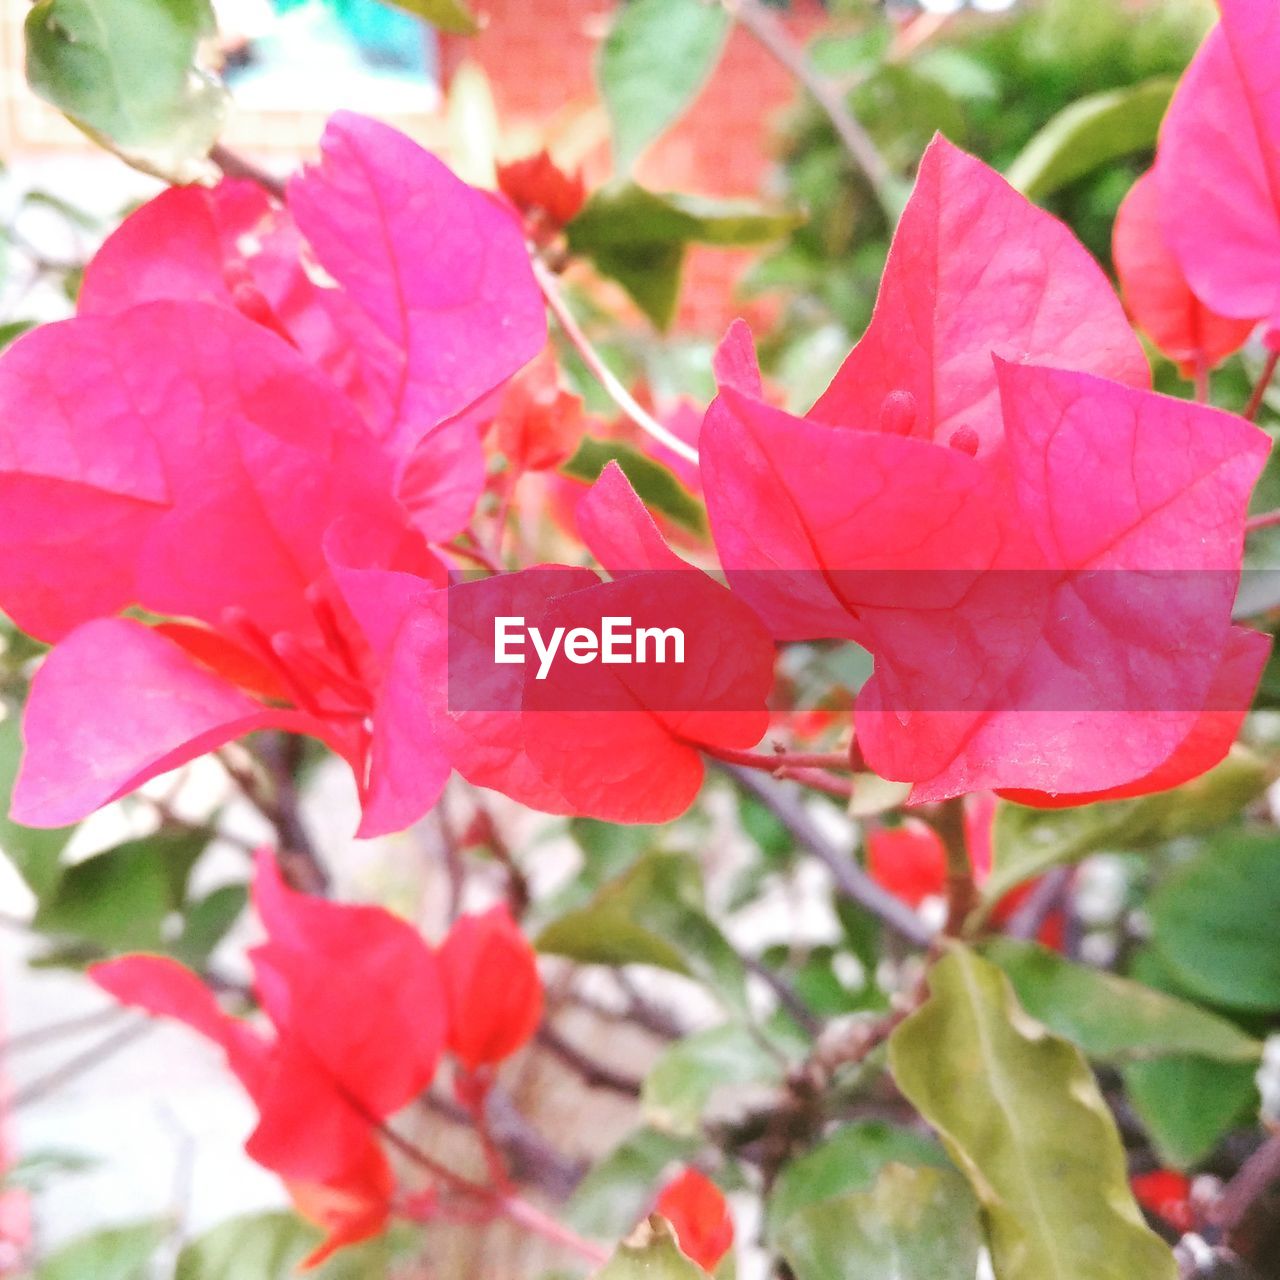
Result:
594,1074
861,147
851,881
1248,1211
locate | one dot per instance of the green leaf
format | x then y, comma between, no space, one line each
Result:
915,1224
452,16
207,921
1028,842
1114,1019
1090,133
1215,921
613,1196
1021,1115
650,1254
639,238
37,1169
13,330
126,70
655,59
1187,1105
680,1086
851,1159
269,1246
121,1253
121,900
652,915
655,484
36,853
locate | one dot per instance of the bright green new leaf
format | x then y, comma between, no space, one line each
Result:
650,1254
1090,133
452,16
655,59
1216,921
126,70
657,487
614,1195
679,1088
1021,1115
851,1159
652,915
914,1224
120,1253
639,238
1114,1019
1028,842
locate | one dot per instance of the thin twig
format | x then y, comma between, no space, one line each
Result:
1027,921
1265,520
594,1074
788,997
769,31
51,1031
66,1072
851,881
1247,1211
600,371
234,165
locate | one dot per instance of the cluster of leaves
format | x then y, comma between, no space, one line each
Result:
240,501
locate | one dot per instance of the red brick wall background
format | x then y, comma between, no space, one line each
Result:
538,56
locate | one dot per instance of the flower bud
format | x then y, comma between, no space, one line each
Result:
492,988
698,1213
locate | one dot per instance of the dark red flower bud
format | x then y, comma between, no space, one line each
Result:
699,1215
492,988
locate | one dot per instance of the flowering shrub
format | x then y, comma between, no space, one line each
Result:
304,474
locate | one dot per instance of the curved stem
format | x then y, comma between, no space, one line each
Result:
1265,520
600,371
771,34
772,762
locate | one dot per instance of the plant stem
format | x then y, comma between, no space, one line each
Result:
600,371
774,761
771,34
851,881
234,165
947,820
1266,520
1264,381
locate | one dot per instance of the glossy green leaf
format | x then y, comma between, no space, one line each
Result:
1021,1115
652,915
36,853
681,1085
1114,1019
851,1159
269,1246
121,900
126,70
655,59
650,1254
120,1253
614,1195
1187,1105
639,238
452,16
1027,842
657,486
914,1224
1216,921
1090,133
